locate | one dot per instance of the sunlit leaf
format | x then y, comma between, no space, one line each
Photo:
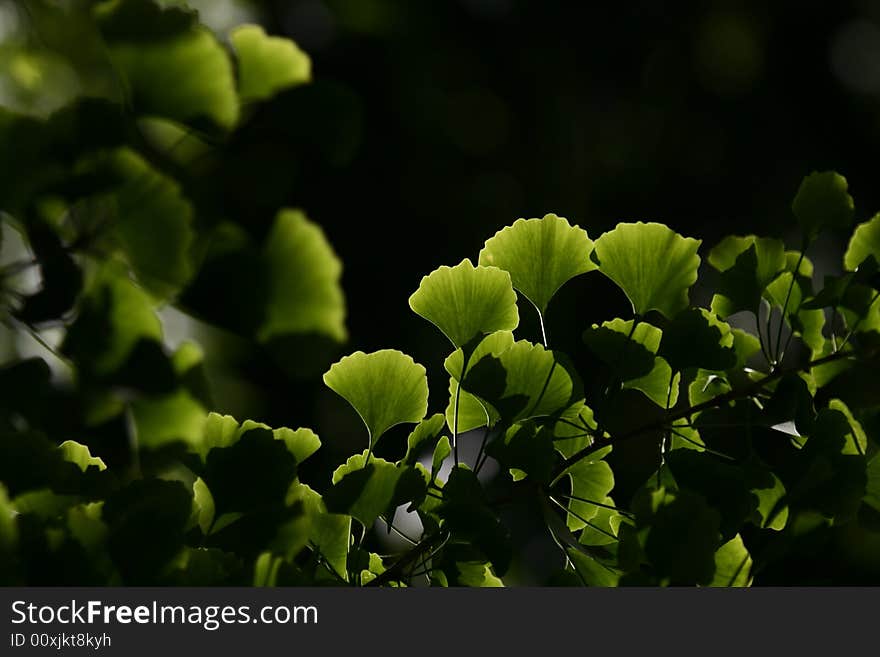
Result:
747,265
524,381
80,455
303,274
182,73
541,255
267,64
651,263
465,302
733,564
385,387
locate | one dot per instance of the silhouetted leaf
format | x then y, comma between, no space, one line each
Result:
822,202
697,338
747,265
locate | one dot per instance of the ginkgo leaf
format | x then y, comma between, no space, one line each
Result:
590,480
865,242
222,431
183,73
426,433
630,351
747,265
697,338
385,387
80,455
540,255
154,224
365,489
121,311
733,564
472,412
651,263
303,275
822,202
465,302
267,64
524,381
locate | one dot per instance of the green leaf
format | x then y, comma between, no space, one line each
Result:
221,431
822,202
330,532
203,505
629,351
182,73
120,312
590,480
477,575
651,263
8,527
465,302
168,418
697,338
540,255
669,516
267,64
526,448
473,413
425,434
804,322
733,564
865,242
303,274
80,455
747,265
524,381
154,224
591,571
385,387
364,490
443,450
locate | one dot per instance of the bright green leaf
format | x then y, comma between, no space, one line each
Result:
303,272
80,455
267,64
540,255
865,242
465,302
651,263
733,564
385,387
747,265
524,381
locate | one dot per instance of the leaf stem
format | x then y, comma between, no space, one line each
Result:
779,354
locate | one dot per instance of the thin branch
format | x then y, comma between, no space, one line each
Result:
714,402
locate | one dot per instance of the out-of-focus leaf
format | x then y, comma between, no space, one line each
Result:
267,64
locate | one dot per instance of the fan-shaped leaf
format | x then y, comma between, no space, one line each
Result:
697,338
540,255
465,302
651,263
865,242
822,202
385,387
267,64
181,73
303,275
733,564
367,489
747,265
524,381
80,455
